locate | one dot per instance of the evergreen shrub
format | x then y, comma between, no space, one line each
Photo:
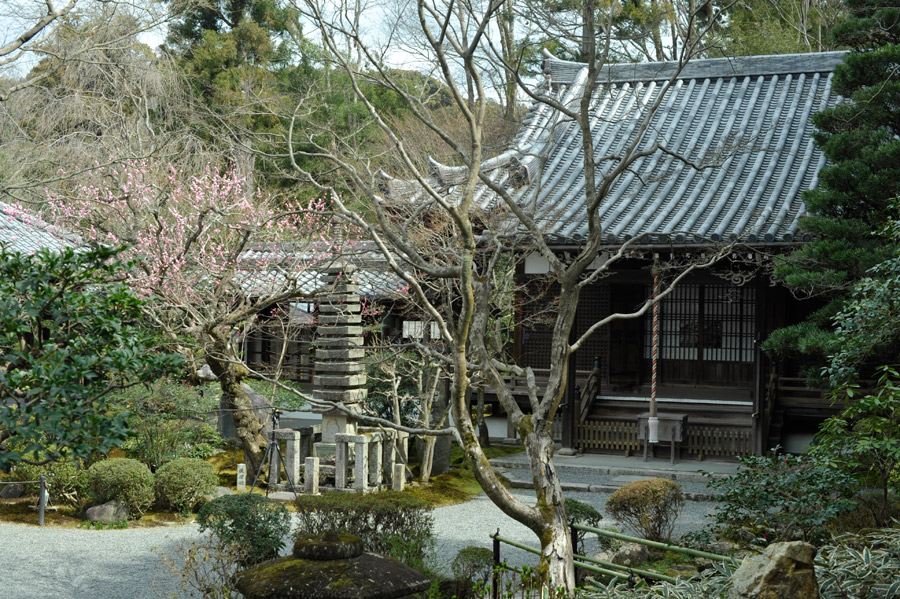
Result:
782,497
252,522
127,480
473,566
66,480
389,523
183,483
586,515
648,506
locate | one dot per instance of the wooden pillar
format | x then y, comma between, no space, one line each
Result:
568,412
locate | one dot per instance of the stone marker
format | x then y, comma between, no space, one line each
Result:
398,478
241,478
783,571
311,476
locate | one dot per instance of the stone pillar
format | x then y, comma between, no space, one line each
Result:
361,467
387,458
307,436
311,476
241,478
275,464
398,480
292,455
375,477
340,371
341,460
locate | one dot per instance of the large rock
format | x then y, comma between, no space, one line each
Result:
631,554
783,571
206,374
107,513
262,407
11,491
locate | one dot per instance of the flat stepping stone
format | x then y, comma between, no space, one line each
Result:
283,495
625,479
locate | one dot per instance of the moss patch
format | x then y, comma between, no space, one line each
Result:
19,511
367,576
458,485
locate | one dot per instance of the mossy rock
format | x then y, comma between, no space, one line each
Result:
368,576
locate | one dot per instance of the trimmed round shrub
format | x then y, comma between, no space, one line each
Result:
252,522
183,483
649,507
127,480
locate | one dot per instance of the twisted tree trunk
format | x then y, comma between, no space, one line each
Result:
231,374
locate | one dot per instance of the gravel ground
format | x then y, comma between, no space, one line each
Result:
473,522
67,563
74,563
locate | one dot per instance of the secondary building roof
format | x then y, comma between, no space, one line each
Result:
26,233
745,122
273,266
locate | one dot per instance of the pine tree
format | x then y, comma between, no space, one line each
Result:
857,189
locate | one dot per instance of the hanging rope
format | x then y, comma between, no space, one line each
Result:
653,423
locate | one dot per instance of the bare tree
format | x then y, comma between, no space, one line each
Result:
95,103
448,231
42,35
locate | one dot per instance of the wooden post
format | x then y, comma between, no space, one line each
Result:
568,408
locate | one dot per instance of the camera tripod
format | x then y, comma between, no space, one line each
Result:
266,459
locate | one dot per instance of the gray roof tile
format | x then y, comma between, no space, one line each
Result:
26,233
267,267
745,120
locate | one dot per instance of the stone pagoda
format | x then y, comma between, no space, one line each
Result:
340,370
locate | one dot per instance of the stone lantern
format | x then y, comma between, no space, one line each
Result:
331,566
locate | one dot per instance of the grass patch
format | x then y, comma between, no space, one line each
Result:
18,511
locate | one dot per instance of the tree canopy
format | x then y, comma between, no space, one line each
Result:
861,139
70,334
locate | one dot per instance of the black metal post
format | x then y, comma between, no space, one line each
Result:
42,500
574,534
495,577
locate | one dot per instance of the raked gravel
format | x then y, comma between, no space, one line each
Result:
73,563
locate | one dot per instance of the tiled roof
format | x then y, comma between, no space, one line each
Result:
26,233
745,121
268,265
